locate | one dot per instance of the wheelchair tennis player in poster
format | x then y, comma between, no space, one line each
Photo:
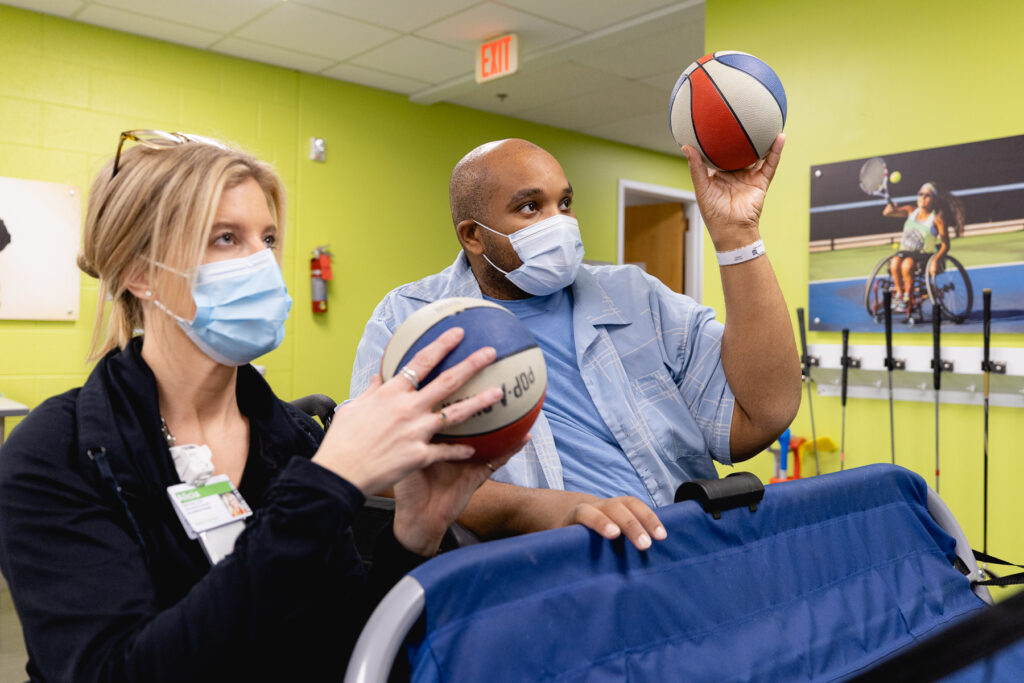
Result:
922,268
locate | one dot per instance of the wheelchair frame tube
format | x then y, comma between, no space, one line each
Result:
385,632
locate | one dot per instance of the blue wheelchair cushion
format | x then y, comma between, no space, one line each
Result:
830,575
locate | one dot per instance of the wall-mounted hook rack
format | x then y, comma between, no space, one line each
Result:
962,384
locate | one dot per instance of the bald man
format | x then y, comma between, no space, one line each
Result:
645,388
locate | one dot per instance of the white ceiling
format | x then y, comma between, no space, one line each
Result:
600,67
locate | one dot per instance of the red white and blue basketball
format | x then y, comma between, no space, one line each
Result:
518,369
730,106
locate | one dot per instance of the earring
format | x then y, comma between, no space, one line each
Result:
149,294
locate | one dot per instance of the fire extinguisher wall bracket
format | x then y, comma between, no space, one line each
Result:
320,273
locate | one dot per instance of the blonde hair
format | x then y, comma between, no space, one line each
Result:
159,208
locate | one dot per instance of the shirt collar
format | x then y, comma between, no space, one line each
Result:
600,305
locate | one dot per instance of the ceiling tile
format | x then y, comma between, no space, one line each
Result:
650,55
603,67
374,79
666,80
419,59
400,15
147,26
314,31
269,54
64,8
650,131
471,27
587,15
220,15
621,99
532,87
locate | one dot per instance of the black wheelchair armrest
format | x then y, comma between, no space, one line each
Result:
317,405
715,495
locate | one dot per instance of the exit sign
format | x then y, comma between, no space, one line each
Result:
496,58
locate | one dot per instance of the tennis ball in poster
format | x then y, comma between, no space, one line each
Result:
895,177
730,106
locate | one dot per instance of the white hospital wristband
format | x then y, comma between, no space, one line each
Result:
750,251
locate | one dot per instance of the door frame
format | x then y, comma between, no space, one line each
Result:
634,192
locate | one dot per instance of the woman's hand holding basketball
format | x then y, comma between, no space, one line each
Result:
731,202
383,435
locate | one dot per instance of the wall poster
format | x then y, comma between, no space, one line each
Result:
934,227
40,226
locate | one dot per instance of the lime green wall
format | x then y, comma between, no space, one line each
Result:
380,201
861,78
66,92
876,77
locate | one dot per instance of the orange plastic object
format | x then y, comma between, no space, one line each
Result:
794,446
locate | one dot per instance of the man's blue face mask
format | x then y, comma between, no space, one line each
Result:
551,251
241,306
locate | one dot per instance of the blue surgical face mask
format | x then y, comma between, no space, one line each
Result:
241,306
551,251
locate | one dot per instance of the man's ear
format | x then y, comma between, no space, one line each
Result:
469,236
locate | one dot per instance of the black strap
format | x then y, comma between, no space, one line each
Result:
99,456
974,638
1011,580
977,637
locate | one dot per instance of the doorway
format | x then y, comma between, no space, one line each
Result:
660,229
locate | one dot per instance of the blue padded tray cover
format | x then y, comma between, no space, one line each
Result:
830,575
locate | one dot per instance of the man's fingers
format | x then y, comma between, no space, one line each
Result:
595,520
698,170
771,162
646,517
624,517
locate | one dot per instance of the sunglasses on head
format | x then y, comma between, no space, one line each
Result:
159,139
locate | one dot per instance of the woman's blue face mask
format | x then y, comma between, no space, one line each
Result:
241,306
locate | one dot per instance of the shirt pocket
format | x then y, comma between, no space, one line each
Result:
672,425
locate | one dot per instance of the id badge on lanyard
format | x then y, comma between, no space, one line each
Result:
209,508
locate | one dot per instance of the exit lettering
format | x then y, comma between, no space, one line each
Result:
498,57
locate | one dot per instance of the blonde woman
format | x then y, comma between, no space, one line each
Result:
183,234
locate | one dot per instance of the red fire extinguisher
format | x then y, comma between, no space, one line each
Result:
320,273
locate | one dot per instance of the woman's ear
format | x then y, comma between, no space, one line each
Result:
469,236
138,283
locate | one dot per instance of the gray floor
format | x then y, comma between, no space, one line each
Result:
12,646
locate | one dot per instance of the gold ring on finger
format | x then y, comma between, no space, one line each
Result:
444,418
490,467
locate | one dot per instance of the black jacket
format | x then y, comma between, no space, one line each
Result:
108,586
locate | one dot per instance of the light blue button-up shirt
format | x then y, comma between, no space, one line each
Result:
650,358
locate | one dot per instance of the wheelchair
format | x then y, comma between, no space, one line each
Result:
949,290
